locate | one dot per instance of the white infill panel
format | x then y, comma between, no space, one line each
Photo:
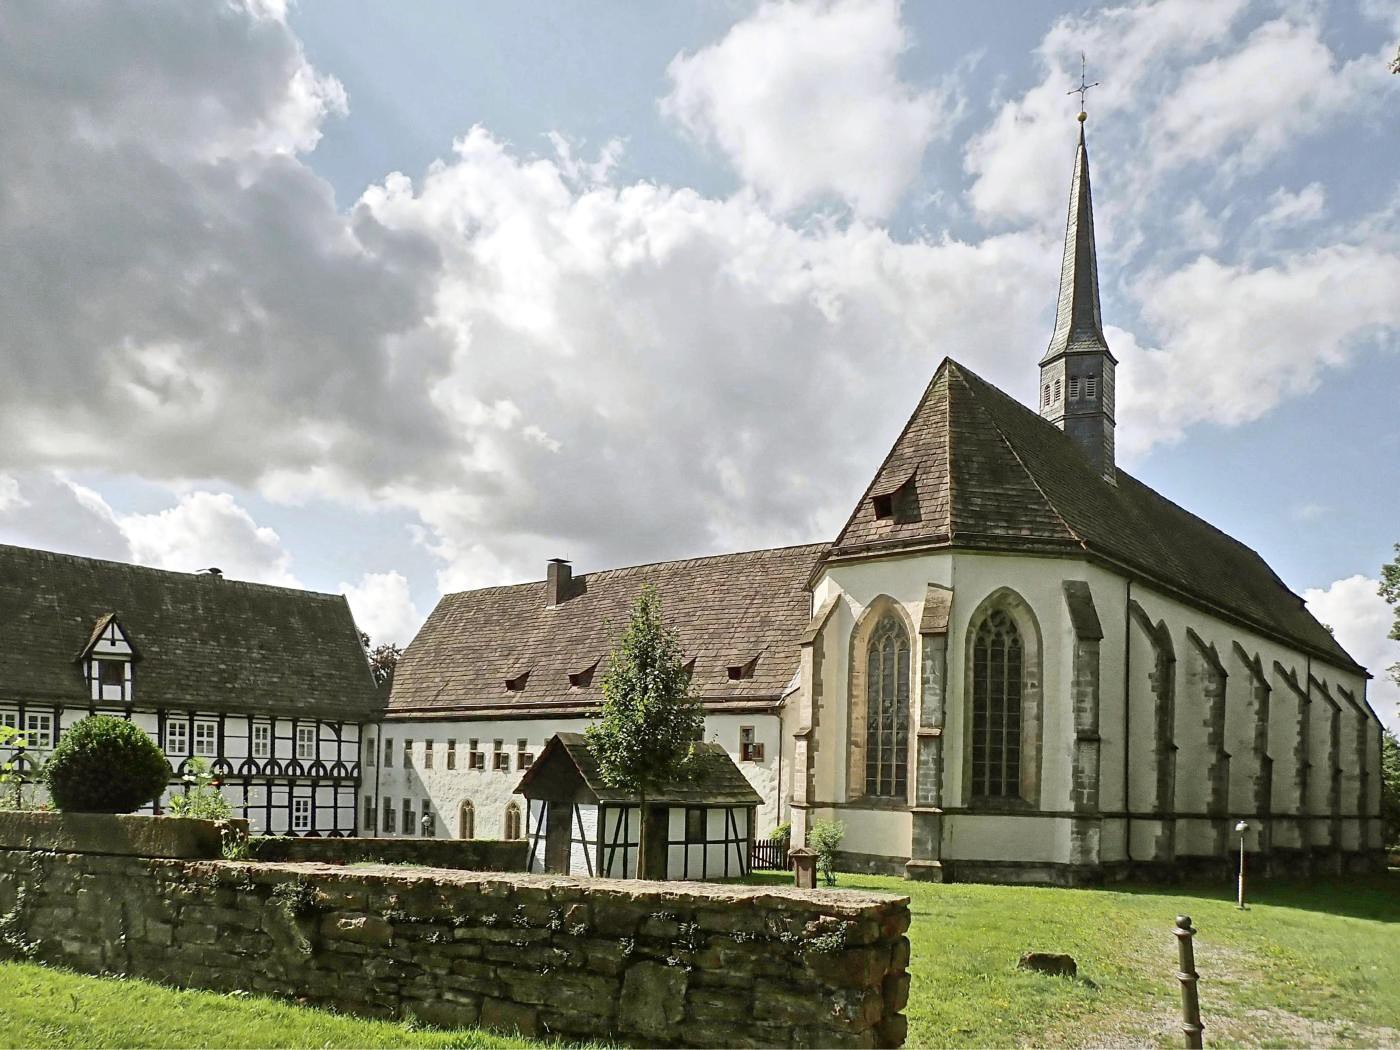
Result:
534,830
583,835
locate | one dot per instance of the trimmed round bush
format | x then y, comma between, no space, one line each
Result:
105,765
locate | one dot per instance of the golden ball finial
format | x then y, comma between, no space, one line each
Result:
1083,116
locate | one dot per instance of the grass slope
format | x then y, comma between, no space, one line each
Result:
43,1007
1307,964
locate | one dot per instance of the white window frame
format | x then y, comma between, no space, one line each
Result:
301,814
306,743
260,743
177,736
38,730
205,738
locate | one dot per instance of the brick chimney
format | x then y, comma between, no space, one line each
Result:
558,582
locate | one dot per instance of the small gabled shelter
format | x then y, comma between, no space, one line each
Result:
700,826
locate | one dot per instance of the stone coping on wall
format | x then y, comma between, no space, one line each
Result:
471,854
639,963
116,834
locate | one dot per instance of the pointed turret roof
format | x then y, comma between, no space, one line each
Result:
977,469
1078,322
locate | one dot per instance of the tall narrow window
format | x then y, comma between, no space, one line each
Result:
369,814
177,737
388,816
887,710
407,757
388,752
1074,388
262,740
206,738
452,754
371,751
512,828
427,754
997,681
408,816
301,814
306,743
466,820
1091,386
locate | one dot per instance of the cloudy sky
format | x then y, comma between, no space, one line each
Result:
396,299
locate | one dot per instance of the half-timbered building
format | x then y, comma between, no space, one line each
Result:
267,686
700,824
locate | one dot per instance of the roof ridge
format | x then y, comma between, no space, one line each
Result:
1010,447
177,573
618,569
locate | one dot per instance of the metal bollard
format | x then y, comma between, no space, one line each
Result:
1191,1027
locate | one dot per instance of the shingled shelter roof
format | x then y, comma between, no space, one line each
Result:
728,610
981,470
710,779
201,641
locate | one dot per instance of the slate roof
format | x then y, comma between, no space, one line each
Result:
711,777
727,609
990,473
202,641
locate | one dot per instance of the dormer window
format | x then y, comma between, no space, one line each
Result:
108,660
517,684
896,503
744,671
583,678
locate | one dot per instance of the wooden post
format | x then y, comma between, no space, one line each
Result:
1191,1026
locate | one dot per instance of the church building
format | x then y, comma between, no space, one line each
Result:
1014,662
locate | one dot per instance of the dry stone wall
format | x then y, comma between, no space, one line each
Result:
684,964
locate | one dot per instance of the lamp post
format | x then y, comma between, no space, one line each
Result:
1241,828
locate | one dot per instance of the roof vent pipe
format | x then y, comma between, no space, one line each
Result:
558,582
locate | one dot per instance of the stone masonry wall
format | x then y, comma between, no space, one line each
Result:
467,854
652,964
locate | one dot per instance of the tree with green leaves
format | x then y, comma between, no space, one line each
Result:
1390,591
645,735
1390,789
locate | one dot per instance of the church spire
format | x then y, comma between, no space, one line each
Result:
1077,370
1078,321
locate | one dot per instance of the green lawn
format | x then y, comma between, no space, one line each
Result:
43,1007
1306,965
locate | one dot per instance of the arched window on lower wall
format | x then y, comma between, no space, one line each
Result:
512,827
466,820
1002,761
887,710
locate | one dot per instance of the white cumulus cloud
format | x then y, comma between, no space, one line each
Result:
1360,619
806,102
383,607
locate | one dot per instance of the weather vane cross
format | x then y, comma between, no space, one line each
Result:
1084,84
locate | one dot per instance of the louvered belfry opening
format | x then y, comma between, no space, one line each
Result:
887,711
997,677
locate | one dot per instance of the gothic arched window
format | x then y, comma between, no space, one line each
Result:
512,828
998,678
466,820
887,710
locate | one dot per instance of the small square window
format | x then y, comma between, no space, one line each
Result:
38,731
177,738
206,738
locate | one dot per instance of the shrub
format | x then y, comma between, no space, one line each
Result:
202,798
825,837
783,832
105,765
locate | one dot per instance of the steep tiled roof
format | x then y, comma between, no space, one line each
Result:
711,778
727,610
992,474
204,642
